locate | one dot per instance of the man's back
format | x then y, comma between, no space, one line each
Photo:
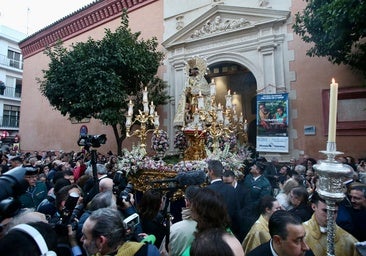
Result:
229,196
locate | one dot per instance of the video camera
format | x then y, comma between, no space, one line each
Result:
94,141
12,184
69,214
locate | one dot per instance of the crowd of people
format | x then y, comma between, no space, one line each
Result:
76,205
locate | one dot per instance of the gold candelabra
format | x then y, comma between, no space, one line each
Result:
215,121
148,116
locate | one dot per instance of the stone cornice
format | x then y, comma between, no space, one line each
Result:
87,18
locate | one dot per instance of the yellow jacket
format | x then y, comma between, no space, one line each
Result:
257,235
317,241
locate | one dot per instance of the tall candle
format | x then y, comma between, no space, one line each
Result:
144,95
130,108
212,89
152,108
229,102
332,111
146,107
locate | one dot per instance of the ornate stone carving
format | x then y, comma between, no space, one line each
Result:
220,25
180,22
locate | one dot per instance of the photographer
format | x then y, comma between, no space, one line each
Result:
104,233
36,191
69,209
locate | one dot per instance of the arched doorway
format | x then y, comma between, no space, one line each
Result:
241,82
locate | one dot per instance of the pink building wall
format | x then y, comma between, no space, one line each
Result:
41,127
313,74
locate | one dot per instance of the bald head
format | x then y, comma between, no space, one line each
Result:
105,184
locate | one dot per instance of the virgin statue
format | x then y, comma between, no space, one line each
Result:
196,85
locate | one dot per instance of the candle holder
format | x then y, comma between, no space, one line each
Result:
145,119
330,187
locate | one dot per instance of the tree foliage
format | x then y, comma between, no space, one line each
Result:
337,30
97,78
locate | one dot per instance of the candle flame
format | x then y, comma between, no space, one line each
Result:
333,80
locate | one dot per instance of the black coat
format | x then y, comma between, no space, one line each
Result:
229,195
265,250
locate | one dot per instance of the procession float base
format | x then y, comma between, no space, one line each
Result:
145,180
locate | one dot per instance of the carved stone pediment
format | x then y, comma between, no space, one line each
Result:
223,19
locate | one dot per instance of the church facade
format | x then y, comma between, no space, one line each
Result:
250,49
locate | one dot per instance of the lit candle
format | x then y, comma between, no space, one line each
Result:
213,89
229,102
156,120
152,108
144,95
241,118
130,108
332,111
228,92
128,120
146,107
220,117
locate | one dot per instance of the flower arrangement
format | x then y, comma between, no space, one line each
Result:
180,141
231,161
188,166
159,141
135,160
222,141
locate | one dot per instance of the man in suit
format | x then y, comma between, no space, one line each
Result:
287,237
228,193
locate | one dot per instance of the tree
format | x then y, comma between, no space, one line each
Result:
98,78
337,28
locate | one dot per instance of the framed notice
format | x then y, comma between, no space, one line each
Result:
272,122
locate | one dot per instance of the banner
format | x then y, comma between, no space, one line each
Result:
272,123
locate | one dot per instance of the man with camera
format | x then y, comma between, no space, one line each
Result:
36,191
104,233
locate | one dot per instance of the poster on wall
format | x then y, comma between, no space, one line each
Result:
272,123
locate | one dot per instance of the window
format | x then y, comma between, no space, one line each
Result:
11,116
18,88
15,59
348,122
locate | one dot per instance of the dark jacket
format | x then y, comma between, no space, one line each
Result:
229,195
265,250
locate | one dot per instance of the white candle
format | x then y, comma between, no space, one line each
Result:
245,125
200,102
332,111
146,107
228,92
229,102
144,95
156,120
128,120
220,116
212,89
241,118
130,108
152,108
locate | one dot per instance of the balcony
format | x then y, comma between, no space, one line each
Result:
4,60
11,92
9,123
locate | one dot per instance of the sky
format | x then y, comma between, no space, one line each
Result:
30,16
